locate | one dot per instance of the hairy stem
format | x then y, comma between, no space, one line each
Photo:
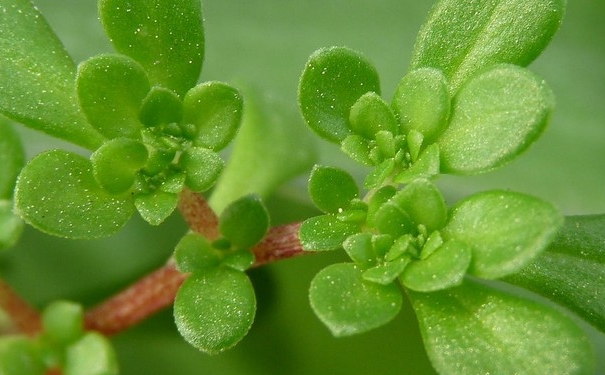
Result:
24,317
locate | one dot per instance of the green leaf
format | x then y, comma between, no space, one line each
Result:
115,165
380,174
426,166
37,77
422,102
19,356
443,269
58,194
376,200
111,89
473,329
239,260
357,148
12,159
360,249
11,225
323,233
215,109
423,201
386,273
194,253
461,39
571,271
347,304
202,167
393,220
155,207
165,36
91,355
496,115
214,310
331,189
63,322
332,81
161,106
371,114
245,221
505,230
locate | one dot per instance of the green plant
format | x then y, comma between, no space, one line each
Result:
466,106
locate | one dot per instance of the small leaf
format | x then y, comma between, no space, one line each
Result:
427,166
111,89
37,77
331,189
115,164
244,222
376,200
19,356
371,114
12,159
360,249
155,207
505,230
423,201
357,148
422,102
386,273
160,106
473,329
63,322
239,260
91,355
215,109
379,174
461,39
443,269
323,233
194,253
496,116
165,37
202,167
393,220
11,225
347,304
58,194
214,310
332,81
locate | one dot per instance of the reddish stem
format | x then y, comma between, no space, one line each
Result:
198,214
24,317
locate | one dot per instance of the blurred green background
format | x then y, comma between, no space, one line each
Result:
265,43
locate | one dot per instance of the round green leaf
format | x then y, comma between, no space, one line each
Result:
11,225
423,201
422,102
245,221
111,89
462,38
63,322
115,165
386,273
58,194
215,109
155,207
393,220
360,249
12,159
496,116
37,77
91,355
331,189
323,233
358,148
160,106
505,230
202,167
473,329
19,356
194,252
371,114
332,81
445,268
347,304
165,36
214,310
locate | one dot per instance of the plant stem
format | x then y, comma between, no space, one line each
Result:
24,317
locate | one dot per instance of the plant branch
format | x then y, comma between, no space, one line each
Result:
24,317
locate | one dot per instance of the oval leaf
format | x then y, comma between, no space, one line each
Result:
214,310
347,304
245,221
156,206
12,159
116,163
371,114
496,116
63,322
161,106
215,109
111,89
323,233
194,252
332,81
473,329
423,201
202,168
462,38
91,355
331,189
58,194
505,230
37,77
165,36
